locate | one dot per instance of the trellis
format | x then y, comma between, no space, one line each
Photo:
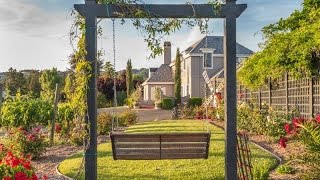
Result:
286,94
229,11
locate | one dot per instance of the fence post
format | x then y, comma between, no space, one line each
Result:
259,98
311,97
269,81
245,94
240,93
287,93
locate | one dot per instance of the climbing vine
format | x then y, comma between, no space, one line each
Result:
291,45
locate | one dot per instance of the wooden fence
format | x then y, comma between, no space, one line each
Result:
284,94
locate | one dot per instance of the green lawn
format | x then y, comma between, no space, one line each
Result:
212,168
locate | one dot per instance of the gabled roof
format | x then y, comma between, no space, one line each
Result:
215,42
163,74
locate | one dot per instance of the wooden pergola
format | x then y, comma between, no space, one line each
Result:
230,11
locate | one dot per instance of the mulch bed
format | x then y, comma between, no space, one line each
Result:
47,163
292,150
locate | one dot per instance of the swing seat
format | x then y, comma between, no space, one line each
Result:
160,146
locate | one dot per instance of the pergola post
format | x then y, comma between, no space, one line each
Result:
230,97
230,11
91,143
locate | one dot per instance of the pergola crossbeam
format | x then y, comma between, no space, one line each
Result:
161,10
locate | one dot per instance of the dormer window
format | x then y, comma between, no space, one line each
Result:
207,60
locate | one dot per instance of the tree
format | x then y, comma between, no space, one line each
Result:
48,81
14,81
291,46
177,78
109,70
33,83
129,80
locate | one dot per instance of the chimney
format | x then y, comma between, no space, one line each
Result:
167,52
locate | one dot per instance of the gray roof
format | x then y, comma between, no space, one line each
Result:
163,74
215,42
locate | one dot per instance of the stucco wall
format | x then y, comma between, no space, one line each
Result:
169,90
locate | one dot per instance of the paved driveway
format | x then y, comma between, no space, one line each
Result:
143,114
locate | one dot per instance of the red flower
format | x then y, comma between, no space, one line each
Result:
45,177
31,137
27,165
20,176
283,141
318,118
58,128
287,128
297,121
7,178
34,177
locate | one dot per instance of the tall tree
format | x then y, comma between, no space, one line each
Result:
129,79
14,81
48,81
33,83
177,78
109,70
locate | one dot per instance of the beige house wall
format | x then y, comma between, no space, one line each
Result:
149,91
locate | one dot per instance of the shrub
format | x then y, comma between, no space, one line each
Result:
104,123
121,98
65,114
167,103
29,143
128,117
196,101
25,112
220,111
187,112
102,100
16,167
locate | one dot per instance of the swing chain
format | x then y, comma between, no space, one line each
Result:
114,77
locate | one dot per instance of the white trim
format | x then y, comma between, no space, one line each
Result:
216,55
207,50
158,83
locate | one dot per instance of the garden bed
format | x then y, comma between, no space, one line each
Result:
293,149
212,168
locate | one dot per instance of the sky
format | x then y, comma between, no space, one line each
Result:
34,34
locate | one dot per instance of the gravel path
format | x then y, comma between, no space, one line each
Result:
46,164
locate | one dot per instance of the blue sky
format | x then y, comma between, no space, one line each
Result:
34,33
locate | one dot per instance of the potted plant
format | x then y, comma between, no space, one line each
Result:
136,96
157,98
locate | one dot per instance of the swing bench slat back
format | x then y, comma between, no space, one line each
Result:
160,146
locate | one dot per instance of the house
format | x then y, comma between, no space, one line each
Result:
205,55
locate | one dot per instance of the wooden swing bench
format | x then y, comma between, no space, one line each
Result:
160,146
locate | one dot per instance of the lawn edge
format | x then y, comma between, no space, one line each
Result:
279,159
62,175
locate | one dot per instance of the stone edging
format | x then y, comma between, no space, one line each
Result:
62,175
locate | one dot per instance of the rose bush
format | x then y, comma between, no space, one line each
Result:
28,142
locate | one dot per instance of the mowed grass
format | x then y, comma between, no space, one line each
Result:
212,168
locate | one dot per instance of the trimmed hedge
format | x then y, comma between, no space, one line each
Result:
194,102
167,103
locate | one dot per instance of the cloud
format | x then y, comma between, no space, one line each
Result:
29,19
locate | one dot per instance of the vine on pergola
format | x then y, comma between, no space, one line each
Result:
152,29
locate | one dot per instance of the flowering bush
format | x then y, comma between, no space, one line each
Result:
13,167
29,143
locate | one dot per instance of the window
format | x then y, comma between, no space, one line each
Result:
207,60
184,64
